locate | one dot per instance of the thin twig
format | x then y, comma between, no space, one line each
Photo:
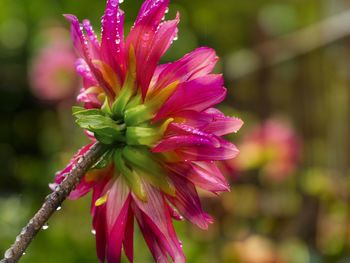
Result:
52,202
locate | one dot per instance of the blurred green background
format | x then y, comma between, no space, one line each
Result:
288,81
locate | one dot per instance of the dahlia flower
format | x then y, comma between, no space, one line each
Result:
52,73
272,146
163,135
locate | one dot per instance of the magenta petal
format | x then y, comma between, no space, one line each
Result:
92,39
112,44
118,202
128,242
208,176
211,121
188,203
159,45
116,236
225,151
176,142
99,225
79,40
146,33
196,64
198,95
157,212
151,237
205,175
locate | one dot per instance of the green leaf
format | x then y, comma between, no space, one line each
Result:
131,177
143,161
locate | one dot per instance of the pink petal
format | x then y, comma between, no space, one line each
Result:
178,142
82,47
156,215
198,63
128,242
225,151
188,203
205,175
117,206
99,225
211,121
92,39
146,35
112,44
116,236
198,95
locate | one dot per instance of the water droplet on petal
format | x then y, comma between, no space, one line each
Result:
167,10
93,231
24,253
114,3
121,1
46,226
176,38
117,41
58,208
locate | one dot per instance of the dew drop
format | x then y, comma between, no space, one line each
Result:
117,41
167,10
93,231
121,1
58,208
24,253
176,38
46,226
114,3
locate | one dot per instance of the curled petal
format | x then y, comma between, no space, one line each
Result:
81,45
150,39
198,95
155,215
188,203
225,151
211,121
205,175
112,44
198,63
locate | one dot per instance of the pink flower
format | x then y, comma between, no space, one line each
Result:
52,74
164,137
272,146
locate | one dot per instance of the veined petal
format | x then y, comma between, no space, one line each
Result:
157,214
211,121
116,236
99,226
81,45
112,43
198,63
205,175
225,151
188,203
178,142
128,242
146,33
92,39
198,95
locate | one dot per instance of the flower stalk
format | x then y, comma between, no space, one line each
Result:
52,202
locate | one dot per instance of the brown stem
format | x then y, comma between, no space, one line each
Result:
52,202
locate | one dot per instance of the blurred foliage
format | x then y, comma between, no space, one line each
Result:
303,217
